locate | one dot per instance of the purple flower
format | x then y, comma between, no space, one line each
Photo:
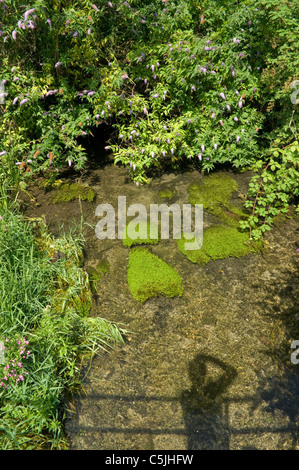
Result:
152,154
110,5
23,101
75,34
3,153
89,31
222,95
228,107
193,88
202,148
91,93
152,67
28,13
15,100
70,162
58,64
172,150
238,139
240,104
14,35
199,156
156,95
94,7
15,79
236,119
215,146
124,76
49,22
145,111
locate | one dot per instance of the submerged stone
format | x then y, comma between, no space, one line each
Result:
150,276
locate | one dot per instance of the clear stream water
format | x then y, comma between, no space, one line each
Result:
208,370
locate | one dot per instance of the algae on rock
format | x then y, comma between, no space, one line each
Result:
219,242
95,274
69,191
214,193
149,276
147,234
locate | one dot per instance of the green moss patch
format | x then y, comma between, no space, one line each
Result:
214,193
69,191
149,276
219,242
167,194
95,274
143,235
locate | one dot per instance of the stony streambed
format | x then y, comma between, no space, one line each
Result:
210,369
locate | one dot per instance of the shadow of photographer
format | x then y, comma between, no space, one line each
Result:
205,415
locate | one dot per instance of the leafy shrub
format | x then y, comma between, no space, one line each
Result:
180,83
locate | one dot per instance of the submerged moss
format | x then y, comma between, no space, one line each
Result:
149,276
103,266
167,193
95,274
69,191
145,237
214,193
219,242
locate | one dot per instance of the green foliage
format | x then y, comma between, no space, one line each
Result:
44,306
180,83
272,189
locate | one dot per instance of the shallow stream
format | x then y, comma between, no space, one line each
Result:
208,370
